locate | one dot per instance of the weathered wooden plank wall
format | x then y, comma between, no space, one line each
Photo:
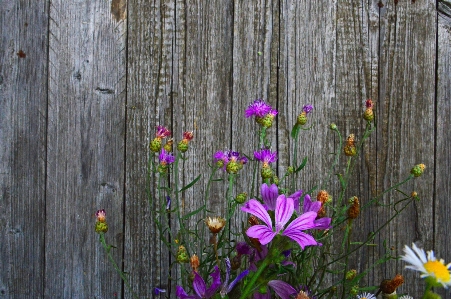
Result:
84,83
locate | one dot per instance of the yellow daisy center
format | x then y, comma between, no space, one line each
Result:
439,270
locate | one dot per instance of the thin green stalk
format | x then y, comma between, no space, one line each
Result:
295,161
337,156
250,286
115,266
348,243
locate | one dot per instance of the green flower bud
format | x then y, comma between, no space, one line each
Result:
220,164
182,255
267,121
233,167
266,173
368,115
354,290
275,179
182,146
163,169
302,118
101,227
418,170
241,198
333,126
290,169
350,275
155,145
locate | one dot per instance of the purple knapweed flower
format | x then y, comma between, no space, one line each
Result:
283,212
200,287
315,206
258,108
166,158
226,287
162,132
307,108
265,156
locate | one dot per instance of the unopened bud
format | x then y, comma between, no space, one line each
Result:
350,149
350,275
290,169
155,145
182,255
354,290
241,198
168,146
101,227
354,210
414,194
333,126
418,170
266,173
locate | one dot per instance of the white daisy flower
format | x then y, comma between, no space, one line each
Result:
429,266
405,297
366,296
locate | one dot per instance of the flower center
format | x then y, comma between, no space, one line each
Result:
439,270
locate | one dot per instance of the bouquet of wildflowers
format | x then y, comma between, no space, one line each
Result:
287,248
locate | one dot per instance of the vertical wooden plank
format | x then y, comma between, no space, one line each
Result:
150,43
442,188
405,128
85,165
255,76
23,116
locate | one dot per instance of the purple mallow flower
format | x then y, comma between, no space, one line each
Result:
283,211
269,195
307,108
200,287
266,156
226,287
315,206
258,108
166,158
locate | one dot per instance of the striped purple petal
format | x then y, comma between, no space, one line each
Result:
255,208
284,211
263,233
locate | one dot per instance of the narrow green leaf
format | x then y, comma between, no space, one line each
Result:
193,213
304,162
190,184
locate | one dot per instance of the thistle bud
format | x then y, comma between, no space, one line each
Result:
351,274
275,179
350,149
354,210
290,169
302,118
267,121
418,170
155,145
266,173
323,197
183,145
194,261
354,290
182,255
368,115
333,126
389,286
101,225
168,146
233,167
241,198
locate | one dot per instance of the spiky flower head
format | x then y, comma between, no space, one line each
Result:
434,271
350,149
324,198
368,115
155,144
302,117
235,162
265,156
418,170
215,224
268,119
183,145
389,286
165,160
354,209
101,225
258,108
182,255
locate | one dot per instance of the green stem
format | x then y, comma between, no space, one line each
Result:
337,155
250,286
295,161
348,243
115,266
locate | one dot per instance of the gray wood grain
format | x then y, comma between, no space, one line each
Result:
23,105
150,40
442,210
85,162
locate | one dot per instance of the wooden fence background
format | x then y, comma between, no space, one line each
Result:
84,83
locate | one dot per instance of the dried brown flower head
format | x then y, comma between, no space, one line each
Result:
215,224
